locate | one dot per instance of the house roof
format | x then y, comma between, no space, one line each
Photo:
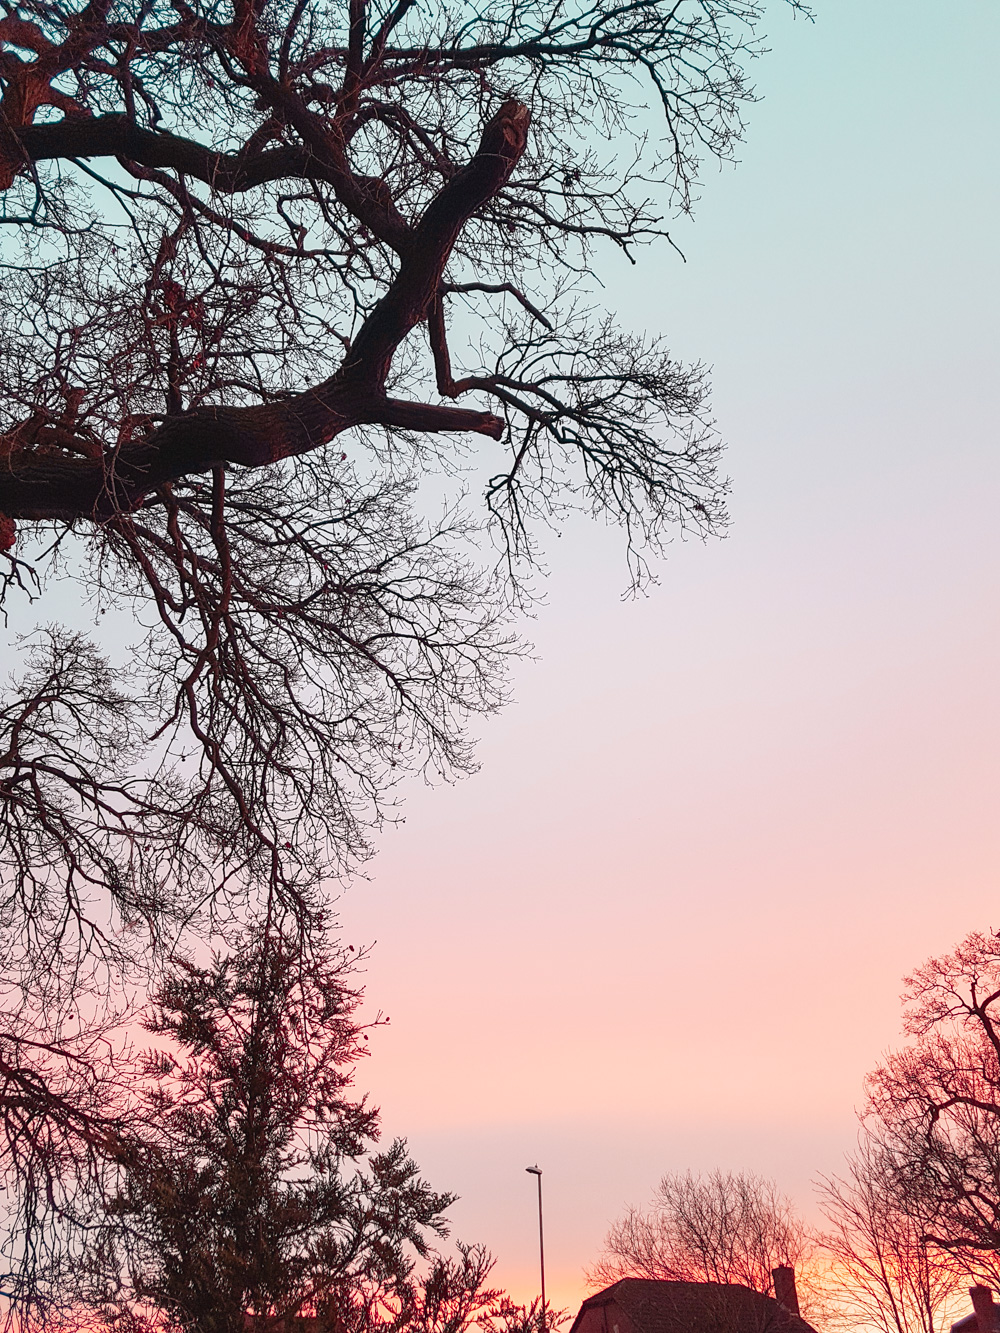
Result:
694,1307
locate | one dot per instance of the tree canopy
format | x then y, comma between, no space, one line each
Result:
934,1105
268,267
234,232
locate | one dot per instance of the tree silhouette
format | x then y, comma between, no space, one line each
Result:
269,266
235,232
723,1227
934,1106
884,1274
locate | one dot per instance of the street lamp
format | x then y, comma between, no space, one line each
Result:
537,1171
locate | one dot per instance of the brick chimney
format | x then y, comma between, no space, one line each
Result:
986,1311
785,1293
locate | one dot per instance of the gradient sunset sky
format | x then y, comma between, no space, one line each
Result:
665,926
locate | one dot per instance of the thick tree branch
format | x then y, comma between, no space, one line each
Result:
229,173
36,487
409,298
117,136
48,487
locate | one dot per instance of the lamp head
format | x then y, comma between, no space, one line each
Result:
534,1170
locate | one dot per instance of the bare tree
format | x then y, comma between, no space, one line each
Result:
268,266
236,233
934,1105
723,1227
882,1272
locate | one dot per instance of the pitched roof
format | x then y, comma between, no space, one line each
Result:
695,1307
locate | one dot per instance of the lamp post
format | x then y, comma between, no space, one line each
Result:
537,1171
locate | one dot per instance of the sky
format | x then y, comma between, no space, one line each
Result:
665,926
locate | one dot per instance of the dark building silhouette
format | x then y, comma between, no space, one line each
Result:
985,1317
640,1305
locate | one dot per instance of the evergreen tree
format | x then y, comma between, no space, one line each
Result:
247,1186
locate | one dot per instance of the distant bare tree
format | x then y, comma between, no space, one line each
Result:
882,1272
934,1105
721,1227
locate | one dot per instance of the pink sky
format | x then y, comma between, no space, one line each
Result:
665,926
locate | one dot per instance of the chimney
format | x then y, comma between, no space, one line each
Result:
986,1311
785,1293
